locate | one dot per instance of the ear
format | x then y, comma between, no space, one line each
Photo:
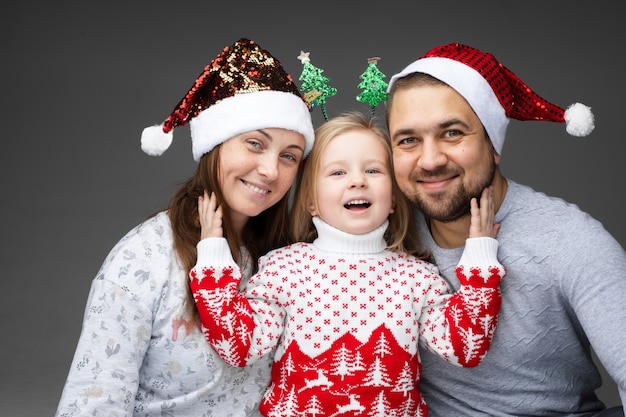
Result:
311,209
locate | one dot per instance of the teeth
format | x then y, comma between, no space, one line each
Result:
256,189
358,202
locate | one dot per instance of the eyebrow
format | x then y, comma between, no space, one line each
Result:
443,125
270,138
401,132
453,122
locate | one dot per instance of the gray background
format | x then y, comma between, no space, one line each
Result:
81,79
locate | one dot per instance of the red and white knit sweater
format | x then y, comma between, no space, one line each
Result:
343,318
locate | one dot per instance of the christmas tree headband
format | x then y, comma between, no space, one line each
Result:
373,85
316,90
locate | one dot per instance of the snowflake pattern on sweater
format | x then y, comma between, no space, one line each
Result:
139,354
344,321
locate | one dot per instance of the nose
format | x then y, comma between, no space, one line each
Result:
268,166
358,180
431,156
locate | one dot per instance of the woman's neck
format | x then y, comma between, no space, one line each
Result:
238,222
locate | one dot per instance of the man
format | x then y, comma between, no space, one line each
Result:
565,285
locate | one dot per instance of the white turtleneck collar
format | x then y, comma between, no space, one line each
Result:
331,239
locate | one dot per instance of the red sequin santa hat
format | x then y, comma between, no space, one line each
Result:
243,89
494,92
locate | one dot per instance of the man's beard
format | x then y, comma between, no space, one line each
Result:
447,208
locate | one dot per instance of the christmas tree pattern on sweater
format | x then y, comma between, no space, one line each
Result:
344,329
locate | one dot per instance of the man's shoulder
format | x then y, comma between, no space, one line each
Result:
521,199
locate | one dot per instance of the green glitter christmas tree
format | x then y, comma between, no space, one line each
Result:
314,84
373,85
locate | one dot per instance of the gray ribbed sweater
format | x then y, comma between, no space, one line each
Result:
565,286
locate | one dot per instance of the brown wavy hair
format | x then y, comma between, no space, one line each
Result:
262,233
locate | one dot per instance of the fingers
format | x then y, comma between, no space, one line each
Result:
210,216
474,209
487,205
204,208
212,202
482,216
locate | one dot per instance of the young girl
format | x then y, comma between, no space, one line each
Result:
141,351
343,311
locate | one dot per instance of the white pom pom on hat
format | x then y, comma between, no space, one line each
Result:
579,120
243,89
154,141
494,92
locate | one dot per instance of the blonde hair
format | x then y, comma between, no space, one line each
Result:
401,235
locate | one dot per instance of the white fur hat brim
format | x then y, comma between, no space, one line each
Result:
472,86
246,112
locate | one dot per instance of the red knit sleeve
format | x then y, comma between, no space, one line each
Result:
472,312
225,313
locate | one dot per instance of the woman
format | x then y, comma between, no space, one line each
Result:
141,351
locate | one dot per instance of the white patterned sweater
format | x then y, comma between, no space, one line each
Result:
345,317
139,354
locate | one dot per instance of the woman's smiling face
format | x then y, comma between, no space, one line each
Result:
257,168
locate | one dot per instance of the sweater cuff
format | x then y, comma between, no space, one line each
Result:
480,251
214,252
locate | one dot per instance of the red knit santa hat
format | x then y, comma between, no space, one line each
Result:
494,92
243,89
